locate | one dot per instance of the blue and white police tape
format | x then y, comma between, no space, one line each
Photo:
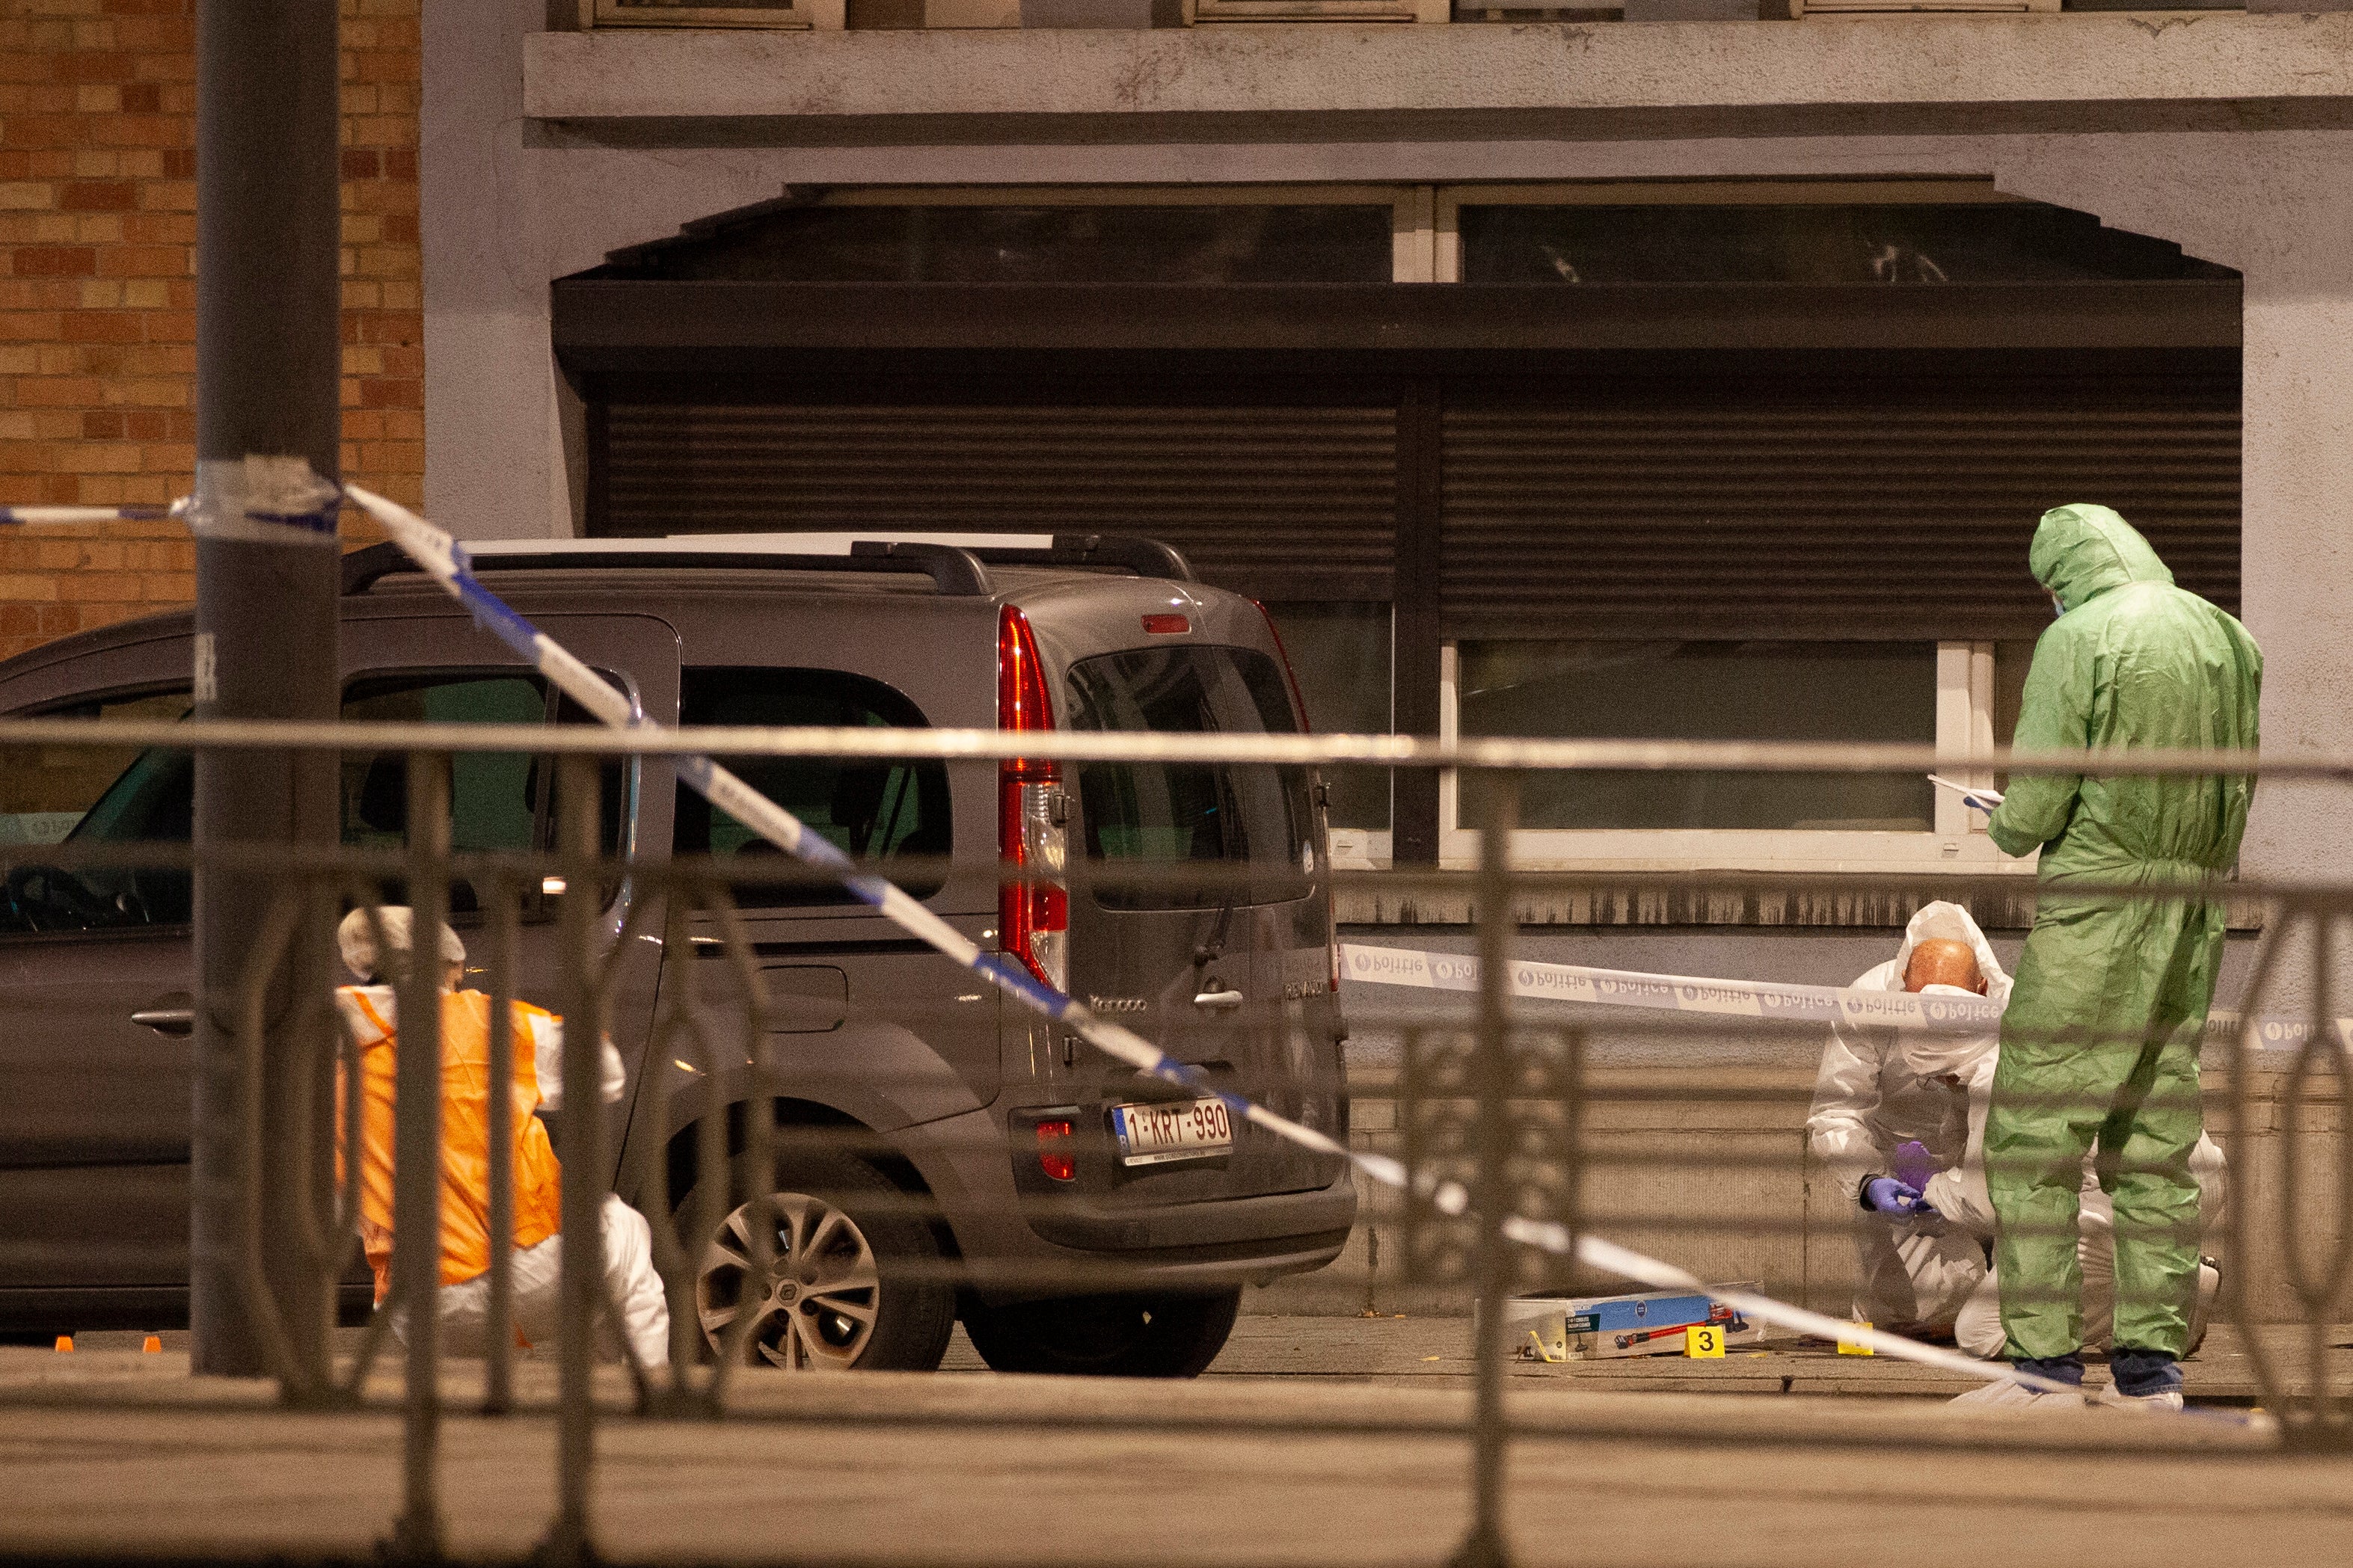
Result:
1671,993
445,561
53,516
261,500
1744,998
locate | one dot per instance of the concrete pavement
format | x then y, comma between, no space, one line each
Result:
109,1453
1434,1353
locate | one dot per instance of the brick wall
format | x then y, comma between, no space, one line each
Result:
98,233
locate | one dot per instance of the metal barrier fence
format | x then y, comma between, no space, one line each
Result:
782,1176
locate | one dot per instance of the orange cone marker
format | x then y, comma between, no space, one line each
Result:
154,1346
64,1344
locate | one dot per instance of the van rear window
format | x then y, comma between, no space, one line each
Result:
1247,828
869,810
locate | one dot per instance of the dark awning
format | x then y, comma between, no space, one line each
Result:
661,326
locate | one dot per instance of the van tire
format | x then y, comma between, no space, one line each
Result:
1163,1335
869,1230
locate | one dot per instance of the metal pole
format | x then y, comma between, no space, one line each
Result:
2238,1293
498,1328
267,427
1491,1196
416,1157
581,1283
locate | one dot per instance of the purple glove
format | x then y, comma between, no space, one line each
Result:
1913,1165
1885,1194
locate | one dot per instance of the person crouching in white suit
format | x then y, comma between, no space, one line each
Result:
1916,1269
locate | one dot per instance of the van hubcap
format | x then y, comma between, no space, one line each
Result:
815,1303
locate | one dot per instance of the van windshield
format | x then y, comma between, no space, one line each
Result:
1247,830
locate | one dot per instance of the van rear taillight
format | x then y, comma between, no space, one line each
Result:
1033,909
1054,1150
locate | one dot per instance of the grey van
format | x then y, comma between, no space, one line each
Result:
941,1152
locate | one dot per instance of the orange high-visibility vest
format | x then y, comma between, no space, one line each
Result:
465,1132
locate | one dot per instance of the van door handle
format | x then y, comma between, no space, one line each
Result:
1220,999
174,1016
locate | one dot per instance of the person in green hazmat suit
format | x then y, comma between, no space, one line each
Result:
2100,1041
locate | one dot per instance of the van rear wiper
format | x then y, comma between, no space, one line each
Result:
1209,952
1229,809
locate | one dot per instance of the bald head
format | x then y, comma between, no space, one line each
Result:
1941,961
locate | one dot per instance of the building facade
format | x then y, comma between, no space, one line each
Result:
98,334
1732,358
1671,369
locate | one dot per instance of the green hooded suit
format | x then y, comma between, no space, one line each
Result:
2100,1041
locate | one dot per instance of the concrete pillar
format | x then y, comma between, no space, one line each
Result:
493,446
508,204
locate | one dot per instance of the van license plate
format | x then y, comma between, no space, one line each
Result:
1155,1134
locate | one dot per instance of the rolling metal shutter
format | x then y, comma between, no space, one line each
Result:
1295,501
1870,506
1850,497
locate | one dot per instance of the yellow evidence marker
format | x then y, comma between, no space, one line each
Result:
1847,1347
1704,1342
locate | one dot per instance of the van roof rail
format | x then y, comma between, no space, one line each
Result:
1145,557
954,572
956,563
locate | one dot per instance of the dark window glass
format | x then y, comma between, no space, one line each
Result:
494,795
1706,691
1300,244
45,791
1340,652
617,787
98,795
2011,661
2153,4
1793,243
1253,823
500,802
868,810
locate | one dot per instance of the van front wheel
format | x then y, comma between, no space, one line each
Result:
1163,1334
851,1280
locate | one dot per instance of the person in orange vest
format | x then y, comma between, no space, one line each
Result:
371,1011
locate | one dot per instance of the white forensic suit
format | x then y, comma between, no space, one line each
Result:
1961,1067
1915,1275
371,1011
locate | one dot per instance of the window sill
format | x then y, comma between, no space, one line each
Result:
1680,899
1662,878
1691,853
1699,851
1670,886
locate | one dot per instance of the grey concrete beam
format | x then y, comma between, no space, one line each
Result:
2073,72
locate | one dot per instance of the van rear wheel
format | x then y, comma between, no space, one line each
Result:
1162,1334
853,1280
